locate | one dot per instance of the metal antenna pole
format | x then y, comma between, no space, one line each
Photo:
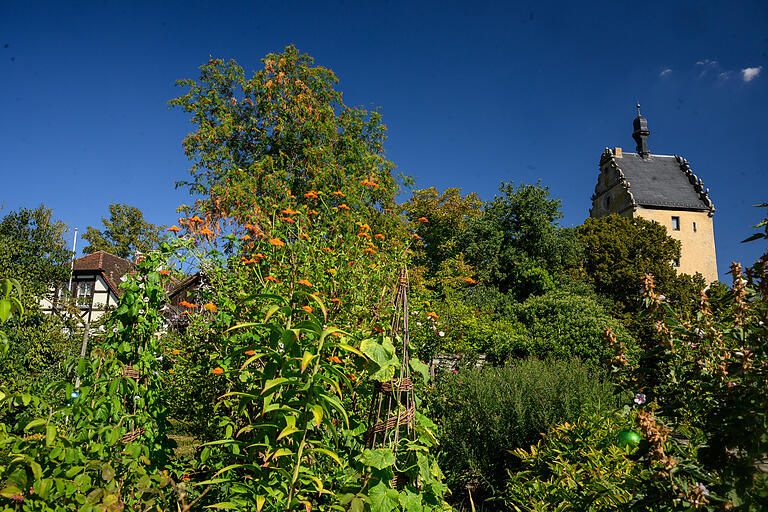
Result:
72,264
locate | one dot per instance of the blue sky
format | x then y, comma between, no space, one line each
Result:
473,93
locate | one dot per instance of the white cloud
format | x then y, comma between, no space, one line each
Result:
665,72
725,75
749,74
706,63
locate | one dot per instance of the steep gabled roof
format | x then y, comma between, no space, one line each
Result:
111,267
661,181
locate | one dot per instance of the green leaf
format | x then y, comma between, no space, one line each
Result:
317,412
225,505
383,355
50,434
349,348
383,498
11,490
34,423
330,454
379,458
420,368
5,309
411,502
306,359
271,311
251,359
260,502
357,504
273,383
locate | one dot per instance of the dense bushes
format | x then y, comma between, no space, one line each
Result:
562,325
485,412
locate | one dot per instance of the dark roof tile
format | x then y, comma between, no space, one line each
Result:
659,181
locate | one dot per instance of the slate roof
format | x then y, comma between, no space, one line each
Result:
659,181
112,267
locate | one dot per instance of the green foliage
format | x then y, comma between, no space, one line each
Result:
516,245
73,453
285,129
585,466
33,251
485,412
125,233
562,325
438,219
619,251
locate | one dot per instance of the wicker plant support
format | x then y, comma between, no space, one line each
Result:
393,407
132,435
131,373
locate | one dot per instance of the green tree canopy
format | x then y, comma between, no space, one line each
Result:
125,233
620,251
33,250
516,244
284,130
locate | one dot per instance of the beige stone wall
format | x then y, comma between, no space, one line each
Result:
698,247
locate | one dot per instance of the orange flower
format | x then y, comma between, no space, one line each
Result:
259,256
288,211
245,237
337,301
469,280
339,193
387,209
249,352
276,242
334,359
174,228
369,250
218,370
196,219
351,263
417,237
186,478
288,219
373,265
363,234
313,212
206,231
307,309
311,195
270,278
422,219
343,207
379,236
305,283
170,371
326,249
331,271
187,304
369,183
176,352
304,236
364,227
210,306
164,272
432,314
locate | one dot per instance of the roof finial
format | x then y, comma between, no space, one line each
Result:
641,134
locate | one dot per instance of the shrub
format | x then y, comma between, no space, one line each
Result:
564,325
485,412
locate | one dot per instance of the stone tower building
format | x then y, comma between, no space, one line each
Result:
663,189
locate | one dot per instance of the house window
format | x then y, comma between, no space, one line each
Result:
676,262
84,292
63,291
694,227
675,223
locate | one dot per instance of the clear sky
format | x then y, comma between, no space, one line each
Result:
473,93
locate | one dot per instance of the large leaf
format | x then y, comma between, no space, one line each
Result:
383,498
410,501
420,368
383,356
274,383
379,458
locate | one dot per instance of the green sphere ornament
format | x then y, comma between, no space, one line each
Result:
628,438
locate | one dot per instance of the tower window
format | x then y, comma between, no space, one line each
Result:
694,227
675,223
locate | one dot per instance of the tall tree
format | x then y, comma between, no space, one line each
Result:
620,251
438,219
33,250
125,233
284,130
516,244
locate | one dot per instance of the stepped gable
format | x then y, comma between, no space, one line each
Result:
111,267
